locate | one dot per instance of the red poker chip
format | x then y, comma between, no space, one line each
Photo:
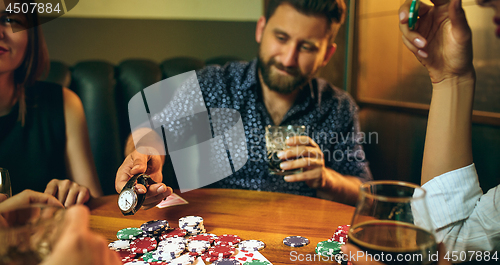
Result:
126,253
128,259
176,232
203,237
208,258
221,251
231,240
143,245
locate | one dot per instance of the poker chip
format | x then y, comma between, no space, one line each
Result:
191,220
127,260
251,245
158,263
295,241
183,260
143,245
226,262
341,234
171,249
198,246
154,225
204,237
222,251
137,262
129,233
257,262
176,232
119,244
173,240
225,239
148,257
126,253
328,248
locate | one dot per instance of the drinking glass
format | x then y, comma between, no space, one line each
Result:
5,186
392,222
275,142
28,234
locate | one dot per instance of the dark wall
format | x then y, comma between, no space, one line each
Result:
71,40
75,39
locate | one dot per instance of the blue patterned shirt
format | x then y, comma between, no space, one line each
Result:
329,114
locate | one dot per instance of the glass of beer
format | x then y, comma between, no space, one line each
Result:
28,234
391,224
276,137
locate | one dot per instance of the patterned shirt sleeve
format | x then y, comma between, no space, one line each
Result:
465,219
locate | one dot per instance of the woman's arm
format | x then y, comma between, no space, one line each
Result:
79,161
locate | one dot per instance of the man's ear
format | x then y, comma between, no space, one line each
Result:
330,50
259,30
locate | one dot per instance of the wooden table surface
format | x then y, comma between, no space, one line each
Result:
265,216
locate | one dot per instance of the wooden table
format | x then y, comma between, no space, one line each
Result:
265,216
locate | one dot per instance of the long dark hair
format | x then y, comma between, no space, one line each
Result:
35,62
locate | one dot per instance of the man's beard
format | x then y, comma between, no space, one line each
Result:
280,83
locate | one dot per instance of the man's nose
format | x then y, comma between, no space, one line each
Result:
290,55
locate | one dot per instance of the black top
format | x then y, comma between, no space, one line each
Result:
34,153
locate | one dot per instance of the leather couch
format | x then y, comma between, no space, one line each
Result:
105,90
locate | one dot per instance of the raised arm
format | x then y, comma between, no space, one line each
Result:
442,43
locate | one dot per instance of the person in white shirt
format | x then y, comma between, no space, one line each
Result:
465,219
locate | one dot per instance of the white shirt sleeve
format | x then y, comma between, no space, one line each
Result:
465,219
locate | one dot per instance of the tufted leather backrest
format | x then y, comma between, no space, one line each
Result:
105,90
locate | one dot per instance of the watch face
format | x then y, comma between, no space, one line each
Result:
127,200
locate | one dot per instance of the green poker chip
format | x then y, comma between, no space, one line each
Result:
413,15
257,262
129,233
328,248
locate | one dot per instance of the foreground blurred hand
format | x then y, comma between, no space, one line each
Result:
77,245
8,206
348,249
68,192
151,164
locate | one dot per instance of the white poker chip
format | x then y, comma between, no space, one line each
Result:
198,246
176,240
190,221
185,259
137,262
251,245
119,244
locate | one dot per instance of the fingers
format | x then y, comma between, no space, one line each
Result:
68,192
300,140
28,197
302,163
156,193
304,176
137,163
300,151
460,27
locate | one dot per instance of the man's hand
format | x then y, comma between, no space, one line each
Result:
68,192
304,153
442,39
151,164
9,214
78,245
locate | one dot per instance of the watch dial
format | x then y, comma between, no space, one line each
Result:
126,200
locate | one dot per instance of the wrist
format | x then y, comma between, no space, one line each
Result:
464,80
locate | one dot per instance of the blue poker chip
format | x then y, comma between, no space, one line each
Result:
226,262
155,226
295,241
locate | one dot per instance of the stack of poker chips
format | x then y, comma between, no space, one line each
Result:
341,234
155,227
192,224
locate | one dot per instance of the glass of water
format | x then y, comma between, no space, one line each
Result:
276,137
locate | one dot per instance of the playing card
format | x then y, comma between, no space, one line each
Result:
172,200
243,256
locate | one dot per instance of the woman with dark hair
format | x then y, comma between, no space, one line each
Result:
43,132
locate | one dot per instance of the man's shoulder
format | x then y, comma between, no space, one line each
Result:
330,94
232,71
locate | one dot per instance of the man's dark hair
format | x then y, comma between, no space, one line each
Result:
333,10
